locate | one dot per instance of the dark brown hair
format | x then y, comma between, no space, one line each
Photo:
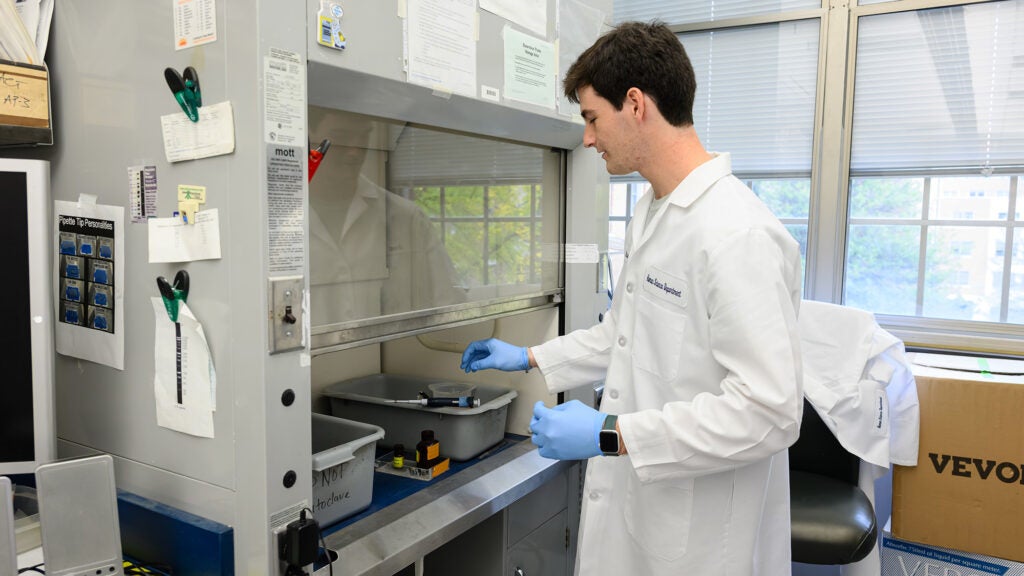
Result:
648,56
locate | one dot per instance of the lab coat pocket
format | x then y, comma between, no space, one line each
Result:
658,337
658,516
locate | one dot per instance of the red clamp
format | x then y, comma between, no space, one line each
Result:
316,155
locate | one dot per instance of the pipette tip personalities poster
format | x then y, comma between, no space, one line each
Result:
89,251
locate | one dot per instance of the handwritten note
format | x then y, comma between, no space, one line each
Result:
24,99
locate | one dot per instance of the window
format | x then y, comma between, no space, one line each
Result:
622,198
915,183
688,11
925,125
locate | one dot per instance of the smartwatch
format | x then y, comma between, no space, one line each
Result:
608,437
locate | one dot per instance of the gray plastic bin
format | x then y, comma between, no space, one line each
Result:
463,432
343,454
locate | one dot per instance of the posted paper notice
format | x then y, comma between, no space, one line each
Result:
529,69
213,135
171,240
184,382
442,45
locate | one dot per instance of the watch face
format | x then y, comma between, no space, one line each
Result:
609,441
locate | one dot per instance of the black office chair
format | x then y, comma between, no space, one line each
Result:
833,521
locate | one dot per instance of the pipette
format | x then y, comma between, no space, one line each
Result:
459,402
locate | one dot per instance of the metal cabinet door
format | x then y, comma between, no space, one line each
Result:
544,552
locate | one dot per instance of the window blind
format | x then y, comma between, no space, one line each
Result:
431,157
756,88
689,11
940,88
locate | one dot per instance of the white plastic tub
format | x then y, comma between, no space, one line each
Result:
463,432
343,454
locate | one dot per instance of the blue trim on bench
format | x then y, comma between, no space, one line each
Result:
155,533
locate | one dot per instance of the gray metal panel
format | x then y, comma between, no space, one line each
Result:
586,222
373,32
356,91
376,81
536,508
192,496
272,439
108,96
543,552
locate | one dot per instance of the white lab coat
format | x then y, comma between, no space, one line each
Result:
858,379
700,357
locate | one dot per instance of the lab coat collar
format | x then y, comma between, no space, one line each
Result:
702,178
686,193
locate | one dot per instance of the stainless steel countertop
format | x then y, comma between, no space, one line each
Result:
389,540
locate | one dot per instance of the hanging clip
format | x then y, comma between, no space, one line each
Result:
172,295
316,155
185,88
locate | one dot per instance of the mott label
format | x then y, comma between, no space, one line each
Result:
967,467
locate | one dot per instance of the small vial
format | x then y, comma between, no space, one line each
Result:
428,449
398,459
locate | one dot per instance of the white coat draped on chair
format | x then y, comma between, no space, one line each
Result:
859,381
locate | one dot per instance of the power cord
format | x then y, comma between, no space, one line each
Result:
299,546
135,568
327,551
37,568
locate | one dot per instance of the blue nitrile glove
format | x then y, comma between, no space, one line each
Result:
493,353
568,431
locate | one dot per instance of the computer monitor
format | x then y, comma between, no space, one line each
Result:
8,548
27,428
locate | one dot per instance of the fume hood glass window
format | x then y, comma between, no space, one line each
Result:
408,218
493,233
938,144
689,11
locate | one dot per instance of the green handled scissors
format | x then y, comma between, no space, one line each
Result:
173,294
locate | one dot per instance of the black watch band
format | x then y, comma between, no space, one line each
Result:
608,437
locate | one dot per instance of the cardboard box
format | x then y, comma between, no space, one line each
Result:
900,558
24,96
967,491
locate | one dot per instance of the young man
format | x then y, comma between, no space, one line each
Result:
699,353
